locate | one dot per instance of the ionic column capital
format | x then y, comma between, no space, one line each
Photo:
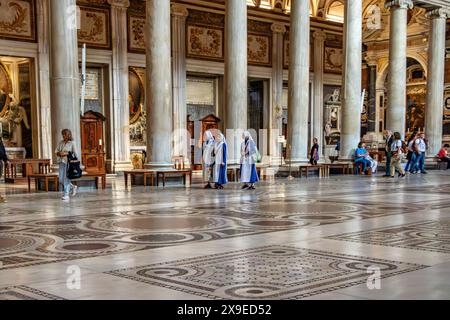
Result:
179,10
278,28
440,13
319,35
119,3
401,4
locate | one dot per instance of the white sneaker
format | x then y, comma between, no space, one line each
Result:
73,192
65,198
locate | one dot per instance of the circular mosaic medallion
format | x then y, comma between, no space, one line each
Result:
251,291
86,246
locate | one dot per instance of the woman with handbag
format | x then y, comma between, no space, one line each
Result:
397,155
63,149
249,158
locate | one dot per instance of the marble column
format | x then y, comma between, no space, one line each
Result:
235,74
435,80
351,98
65,81
158,84
179,15
121,107
318,125
396,109
45,115
372,94
278,31
298,97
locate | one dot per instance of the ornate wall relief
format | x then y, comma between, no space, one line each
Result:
136,33
95,27
259,49
333,60
205,42
17,19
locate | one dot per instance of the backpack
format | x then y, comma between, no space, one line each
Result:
74,170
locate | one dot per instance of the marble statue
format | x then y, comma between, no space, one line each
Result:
12,122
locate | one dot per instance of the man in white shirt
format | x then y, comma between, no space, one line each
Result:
420,148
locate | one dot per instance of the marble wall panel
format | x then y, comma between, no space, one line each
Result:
259,49
136,33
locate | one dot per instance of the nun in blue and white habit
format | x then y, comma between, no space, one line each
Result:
249,154
208,158
220,163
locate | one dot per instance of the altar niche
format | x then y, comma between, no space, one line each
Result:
16,106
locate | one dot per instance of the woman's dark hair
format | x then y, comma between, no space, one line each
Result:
69,134
397,136
446,145
360,144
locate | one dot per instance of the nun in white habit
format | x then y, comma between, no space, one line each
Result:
220,163
208,158
249,154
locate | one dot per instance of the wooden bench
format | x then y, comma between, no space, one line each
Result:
235,172
47,178
173,172
345,167
308,167
27,166
358,169
146,173
96,175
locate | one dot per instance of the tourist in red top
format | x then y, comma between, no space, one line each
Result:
443,155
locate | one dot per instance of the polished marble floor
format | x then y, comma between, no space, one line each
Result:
344,237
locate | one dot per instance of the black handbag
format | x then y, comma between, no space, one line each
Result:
74,167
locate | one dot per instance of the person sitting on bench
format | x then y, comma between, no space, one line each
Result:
443,155
361,156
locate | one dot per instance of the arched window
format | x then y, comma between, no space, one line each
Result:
335,11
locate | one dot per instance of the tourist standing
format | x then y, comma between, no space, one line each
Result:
411,156
249,157
208,158
420,148
220,161
388,139
397,155
3,161
314,154
62,151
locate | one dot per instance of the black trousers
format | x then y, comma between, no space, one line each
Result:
446,159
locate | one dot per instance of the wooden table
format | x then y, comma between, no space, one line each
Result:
345,167
140,172
27,168
306,168
47,178
174,172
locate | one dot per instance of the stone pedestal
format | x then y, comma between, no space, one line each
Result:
298,100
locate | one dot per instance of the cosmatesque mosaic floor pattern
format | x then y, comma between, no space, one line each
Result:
275,272
308,238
